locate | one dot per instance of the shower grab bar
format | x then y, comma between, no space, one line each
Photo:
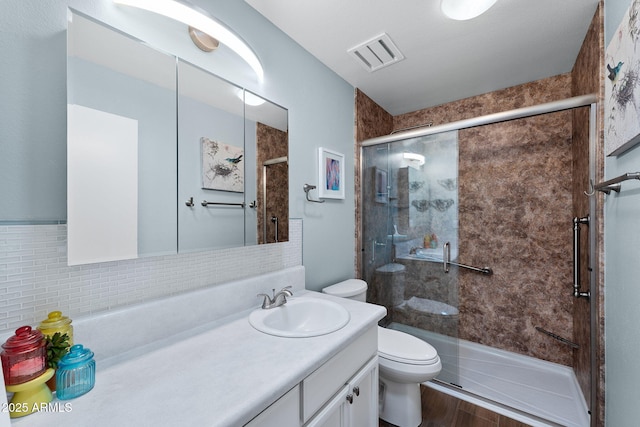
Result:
205,204
557,337
446,261
576,256
614,184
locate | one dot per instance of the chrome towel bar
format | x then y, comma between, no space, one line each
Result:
205,203
614,184
308,187
446,261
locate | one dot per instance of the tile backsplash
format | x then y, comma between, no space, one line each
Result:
35,278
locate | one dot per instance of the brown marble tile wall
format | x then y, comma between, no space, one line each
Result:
587,77
371,120
533,93
515,217
273,143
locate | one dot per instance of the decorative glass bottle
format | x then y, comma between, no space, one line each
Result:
24,356
76,373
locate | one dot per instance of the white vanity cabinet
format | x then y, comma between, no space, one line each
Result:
341,393
355,405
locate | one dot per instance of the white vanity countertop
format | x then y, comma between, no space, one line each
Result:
221,377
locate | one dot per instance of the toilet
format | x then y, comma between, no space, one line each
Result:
404,362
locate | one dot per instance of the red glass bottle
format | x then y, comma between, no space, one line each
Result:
24,356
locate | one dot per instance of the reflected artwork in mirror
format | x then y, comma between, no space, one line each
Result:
164,157
211,161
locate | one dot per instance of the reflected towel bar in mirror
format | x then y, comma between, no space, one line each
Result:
205,203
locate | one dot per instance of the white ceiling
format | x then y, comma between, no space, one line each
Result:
515,42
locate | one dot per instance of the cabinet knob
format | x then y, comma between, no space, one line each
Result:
350,398
356,390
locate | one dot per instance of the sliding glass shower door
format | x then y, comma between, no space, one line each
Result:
410,222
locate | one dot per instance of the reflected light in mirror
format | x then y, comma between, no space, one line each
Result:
417,158
249,98
186,14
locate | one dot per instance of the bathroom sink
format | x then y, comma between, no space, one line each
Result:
299,318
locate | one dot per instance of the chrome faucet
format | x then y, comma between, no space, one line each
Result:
278,299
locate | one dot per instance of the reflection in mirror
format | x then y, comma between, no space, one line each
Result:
269,123
133,190
211,161
121,182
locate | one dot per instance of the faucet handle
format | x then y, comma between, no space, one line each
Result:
286,291
267,301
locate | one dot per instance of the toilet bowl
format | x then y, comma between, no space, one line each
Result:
404,362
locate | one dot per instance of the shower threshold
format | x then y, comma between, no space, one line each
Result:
529,390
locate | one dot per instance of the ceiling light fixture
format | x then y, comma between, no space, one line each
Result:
462,10
187,14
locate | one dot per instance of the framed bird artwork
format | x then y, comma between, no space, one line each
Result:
622,85
222,166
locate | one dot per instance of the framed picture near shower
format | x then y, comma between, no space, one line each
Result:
331,171
222,166
622,85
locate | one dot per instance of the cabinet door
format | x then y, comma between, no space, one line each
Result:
334,414
363,388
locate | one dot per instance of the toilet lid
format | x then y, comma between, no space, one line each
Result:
347,288
405,348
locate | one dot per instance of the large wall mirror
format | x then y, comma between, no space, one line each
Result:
163,156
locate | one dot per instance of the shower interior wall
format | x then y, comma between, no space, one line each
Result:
524,208
271,144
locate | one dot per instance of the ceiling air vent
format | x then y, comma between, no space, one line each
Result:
376,53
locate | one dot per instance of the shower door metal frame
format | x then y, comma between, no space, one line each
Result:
590,101
265,164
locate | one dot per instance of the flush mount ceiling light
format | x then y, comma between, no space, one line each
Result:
183,12
461,10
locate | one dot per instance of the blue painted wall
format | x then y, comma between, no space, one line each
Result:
33,112
622,273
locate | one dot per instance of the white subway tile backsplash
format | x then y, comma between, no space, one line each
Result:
35,278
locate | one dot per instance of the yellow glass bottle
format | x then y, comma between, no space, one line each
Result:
56,322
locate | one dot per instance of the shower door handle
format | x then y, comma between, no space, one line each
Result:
274,219
576,256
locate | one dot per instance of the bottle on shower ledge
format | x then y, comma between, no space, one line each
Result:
430,241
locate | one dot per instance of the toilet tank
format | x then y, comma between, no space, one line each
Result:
354,289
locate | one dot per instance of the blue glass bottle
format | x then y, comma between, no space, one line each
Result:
76,373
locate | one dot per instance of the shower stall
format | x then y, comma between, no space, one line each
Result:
466,236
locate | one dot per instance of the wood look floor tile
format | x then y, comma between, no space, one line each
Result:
442,410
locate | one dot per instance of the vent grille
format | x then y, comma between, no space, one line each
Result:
379,52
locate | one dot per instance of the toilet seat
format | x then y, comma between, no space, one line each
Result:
404,348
